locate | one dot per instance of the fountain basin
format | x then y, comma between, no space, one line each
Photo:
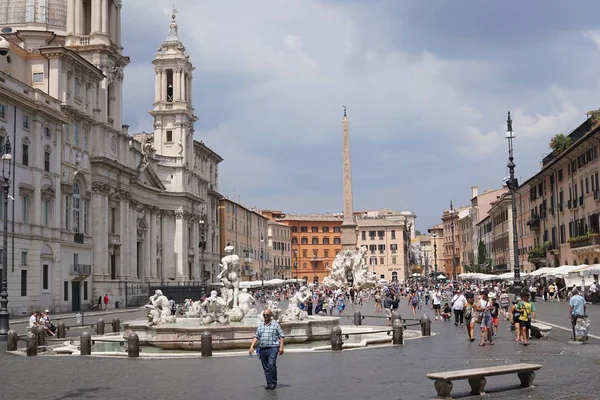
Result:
185,334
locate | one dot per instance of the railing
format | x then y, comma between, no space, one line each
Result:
81,270
84,41
79,238
585,242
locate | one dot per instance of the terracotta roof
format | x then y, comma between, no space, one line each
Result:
312,217
379,222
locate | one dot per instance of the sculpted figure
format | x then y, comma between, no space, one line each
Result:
229,274
215,309
294,313
245,299
159,309
275,310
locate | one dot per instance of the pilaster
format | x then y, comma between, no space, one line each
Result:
123,271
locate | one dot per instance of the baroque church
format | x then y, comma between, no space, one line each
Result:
97,209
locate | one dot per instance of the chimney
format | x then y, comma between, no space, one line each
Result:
474,191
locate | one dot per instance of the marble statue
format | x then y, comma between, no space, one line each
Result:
349,269
293,312
195,310
245,299
275,310
414,255
159,309
229,274
216,309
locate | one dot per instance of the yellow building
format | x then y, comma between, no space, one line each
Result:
247,230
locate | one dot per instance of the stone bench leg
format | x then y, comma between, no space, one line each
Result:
477,385
545,334
526,378
443,388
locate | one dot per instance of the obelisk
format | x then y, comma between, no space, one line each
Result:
348,225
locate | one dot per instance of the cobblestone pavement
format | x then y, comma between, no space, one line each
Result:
569,372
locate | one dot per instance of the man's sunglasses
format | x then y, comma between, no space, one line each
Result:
267,315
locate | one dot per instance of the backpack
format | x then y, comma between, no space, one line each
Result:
414,300
525,311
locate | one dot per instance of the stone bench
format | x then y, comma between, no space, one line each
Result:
476,376
540,331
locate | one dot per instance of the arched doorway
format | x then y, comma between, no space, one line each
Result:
305,280
316,280
394,276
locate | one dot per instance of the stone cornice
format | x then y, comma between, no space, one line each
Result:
31,106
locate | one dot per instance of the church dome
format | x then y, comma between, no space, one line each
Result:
24,12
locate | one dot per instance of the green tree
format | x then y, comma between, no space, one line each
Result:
417,233
559,143
537,256
481,254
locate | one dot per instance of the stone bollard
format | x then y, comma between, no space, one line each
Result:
357,318
12,340
425,325
397,332
32,345
206,346
85,344
41,336
116,325
61,330
133,345
336,339
100,327
395,317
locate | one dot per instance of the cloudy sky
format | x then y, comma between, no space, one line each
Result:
427,85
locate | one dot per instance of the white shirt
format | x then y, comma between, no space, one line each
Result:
593,288
458,302
32,321
484,304
437,298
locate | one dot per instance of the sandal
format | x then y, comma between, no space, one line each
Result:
481,344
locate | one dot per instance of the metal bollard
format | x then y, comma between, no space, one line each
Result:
395,317
133,345
32,345
397,332
100,327
206,347
425,325
357,318
85,344
61,330
336,339
41,336
116,325
12,340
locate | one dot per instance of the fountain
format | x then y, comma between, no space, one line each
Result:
349,269
227,317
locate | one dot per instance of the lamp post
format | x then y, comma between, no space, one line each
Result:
315,264
452,230
296,263
262,262
435,256
406,272
4,314
513,184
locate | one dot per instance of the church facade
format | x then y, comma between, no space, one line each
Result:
106,211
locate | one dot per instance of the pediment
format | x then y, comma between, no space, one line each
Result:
148,177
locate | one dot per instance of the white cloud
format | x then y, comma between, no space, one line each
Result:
291,42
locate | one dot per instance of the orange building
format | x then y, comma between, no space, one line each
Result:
316,240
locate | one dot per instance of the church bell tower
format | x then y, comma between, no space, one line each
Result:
173,112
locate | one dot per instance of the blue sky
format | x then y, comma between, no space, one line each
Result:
427,85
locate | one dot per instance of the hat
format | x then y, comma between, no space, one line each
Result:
46,311
492,296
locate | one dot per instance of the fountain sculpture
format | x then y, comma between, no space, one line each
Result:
350,270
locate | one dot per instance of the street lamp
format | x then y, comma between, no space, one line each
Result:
262,262
315,264
4,314
296,263
452,230
513,184
435,256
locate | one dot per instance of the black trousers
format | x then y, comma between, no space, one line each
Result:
458,316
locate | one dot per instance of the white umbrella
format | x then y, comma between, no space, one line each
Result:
441,276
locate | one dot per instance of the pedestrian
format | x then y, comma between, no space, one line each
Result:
505,304
331,305
173,306
270,338
413,300
527,310
484,308
437,304
468,313
106,300
594,292
458,304
576,309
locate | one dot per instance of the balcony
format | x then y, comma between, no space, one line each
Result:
248,260
586,244
81,270
534,223
247,272
84,41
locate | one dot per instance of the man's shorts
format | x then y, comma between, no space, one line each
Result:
437,306
486,322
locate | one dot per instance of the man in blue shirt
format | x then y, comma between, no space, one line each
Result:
576,309
269,337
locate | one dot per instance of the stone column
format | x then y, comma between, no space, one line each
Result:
100,191
104,20
152,245
133,242
348,225
163,86
157,83
190,91
71,17
179,245
96,16
123,267
183,86
78,16
118,22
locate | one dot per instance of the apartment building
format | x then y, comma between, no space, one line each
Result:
437,247
501,219
480,206
387,244
484,233
561,202
316,239
452,236
465,226
280,248
247,230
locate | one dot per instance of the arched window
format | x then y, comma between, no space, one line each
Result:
394,276
76,207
